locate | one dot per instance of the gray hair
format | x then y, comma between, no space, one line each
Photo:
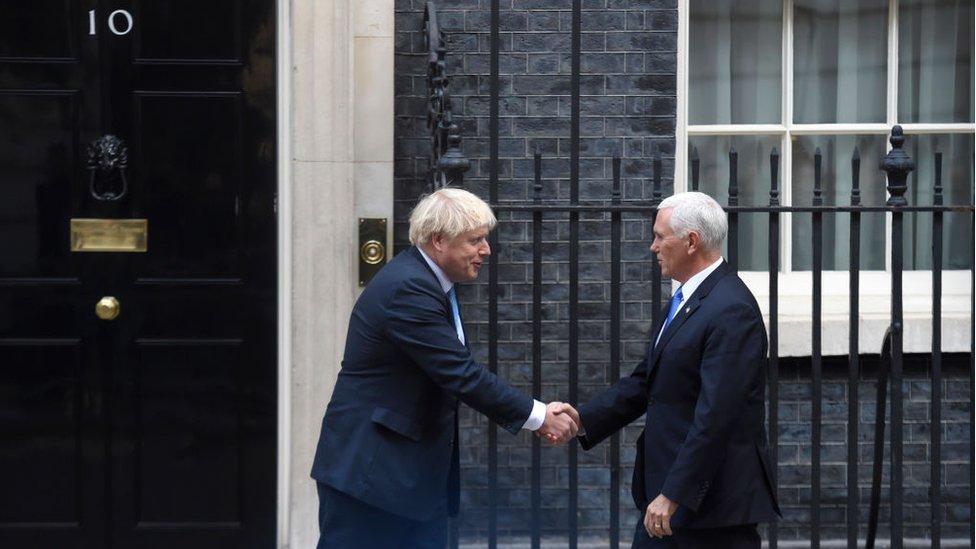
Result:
450,212
698,212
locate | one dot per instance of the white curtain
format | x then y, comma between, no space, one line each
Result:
935,59
839,61
836,184
735,69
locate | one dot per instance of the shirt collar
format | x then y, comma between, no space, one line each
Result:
692,284
446,284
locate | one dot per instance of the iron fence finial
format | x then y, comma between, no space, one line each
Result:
897,165
817,174
453,163
774,177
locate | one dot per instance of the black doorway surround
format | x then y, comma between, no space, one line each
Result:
137,388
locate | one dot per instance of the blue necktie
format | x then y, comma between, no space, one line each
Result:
452,298
675,305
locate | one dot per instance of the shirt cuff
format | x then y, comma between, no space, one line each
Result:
537,417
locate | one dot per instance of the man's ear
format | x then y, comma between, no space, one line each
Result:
694,242
437,241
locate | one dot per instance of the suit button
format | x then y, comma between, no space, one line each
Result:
650,401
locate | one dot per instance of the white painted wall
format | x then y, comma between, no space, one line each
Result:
336,150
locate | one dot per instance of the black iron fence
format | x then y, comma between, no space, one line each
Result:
448,166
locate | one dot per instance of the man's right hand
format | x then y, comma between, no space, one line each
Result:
561,423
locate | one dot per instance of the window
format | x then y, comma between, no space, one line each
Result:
799,75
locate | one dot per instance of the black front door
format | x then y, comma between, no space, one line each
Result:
155,428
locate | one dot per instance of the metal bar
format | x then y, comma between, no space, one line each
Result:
897,494
615,234
972,375
577,34
884,365
825,129
853,358
774,331
733,215
537,352
897,164
656,194
643,207
695,169
493,116
935,474
493,367
816,363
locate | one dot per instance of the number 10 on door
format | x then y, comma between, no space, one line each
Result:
114,22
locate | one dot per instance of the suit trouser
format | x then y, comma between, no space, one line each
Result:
743,536
347,523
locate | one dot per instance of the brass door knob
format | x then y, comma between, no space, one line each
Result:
107,308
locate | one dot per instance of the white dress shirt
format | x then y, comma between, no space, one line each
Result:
689,287
538,415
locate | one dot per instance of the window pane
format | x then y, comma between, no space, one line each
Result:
840,51
957,184
935,61
735,62
836,184
753,173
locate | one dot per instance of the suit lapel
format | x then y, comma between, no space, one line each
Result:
679,318
415,252
684,314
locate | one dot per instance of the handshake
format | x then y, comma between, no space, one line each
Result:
562,423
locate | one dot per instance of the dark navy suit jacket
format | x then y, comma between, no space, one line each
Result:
389,436
702,389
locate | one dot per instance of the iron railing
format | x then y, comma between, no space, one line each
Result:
448,166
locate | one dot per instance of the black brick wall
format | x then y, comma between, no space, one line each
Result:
627,109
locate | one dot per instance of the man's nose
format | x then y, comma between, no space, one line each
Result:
486,250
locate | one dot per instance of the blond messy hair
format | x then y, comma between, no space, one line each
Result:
449,212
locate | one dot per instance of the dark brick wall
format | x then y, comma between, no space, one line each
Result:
627,109
795,449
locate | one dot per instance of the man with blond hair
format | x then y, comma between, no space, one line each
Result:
387,466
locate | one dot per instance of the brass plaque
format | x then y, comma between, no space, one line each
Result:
372,248
109,235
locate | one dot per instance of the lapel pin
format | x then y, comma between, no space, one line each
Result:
687,310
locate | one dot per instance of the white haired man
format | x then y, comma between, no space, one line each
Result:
387,465
701,478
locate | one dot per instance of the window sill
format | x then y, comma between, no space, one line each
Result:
874,315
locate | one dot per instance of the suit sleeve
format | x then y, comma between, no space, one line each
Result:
614,408
730,364
416,324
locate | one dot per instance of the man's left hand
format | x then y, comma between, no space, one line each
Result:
657,519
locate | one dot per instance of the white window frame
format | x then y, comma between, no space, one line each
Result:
795,294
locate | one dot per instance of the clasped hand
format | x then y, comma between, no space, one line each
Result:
562,423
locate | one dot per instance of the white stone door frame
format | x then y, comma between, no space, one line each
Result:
335,165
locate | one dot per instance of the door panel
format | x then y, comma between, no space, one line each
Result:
39,384
36,182
208,30
189,450
45,30
193,194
